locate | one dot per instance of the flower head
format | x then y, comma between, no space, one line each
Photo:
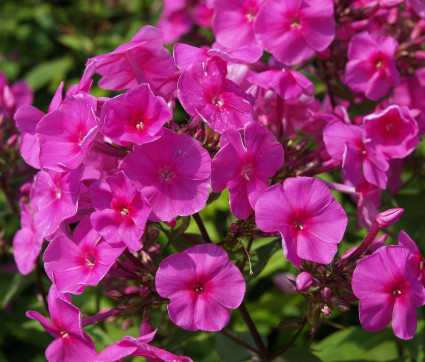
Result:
309,219
202,285
387,287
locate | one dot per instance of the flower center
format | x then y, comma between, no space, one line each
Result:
64,334
250,17
216,101
166,174
124,211
298,225
396,292
295,22
246,171
90,260
389,127
198,288
140,126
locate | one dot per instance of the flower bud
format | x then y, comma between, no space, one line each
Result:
326,292
304,281
388,217
326,310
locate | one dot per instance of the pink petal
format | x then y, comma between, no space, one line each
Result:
209,315
312,248
375,311
182,309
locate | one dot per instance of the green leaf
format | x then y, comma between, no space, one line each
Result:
230,351
14,288
186,241
297,354
47,72
182,224
178,337
355,344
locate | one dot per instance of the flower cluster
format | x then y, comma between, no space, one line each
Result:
114,175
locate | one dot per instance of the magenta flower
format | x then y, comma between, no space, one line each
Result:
172,173
121,211
137,116
244,164
71,344
289,84
293,30
202,285
393,131
204,91
360,160
386,286
130,346
371,67
27,242
233,23
66,135
143,60
27,118
309,219
416,260
74,264
54,198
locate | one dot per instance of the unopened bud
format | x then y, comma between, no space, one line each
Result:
325,310
304,281
339,304
388,217
326,292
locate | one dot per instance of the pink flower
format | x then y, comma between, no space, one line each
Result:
27,242
172,173
416,260
143,60
202,285
233,23
204,91
371,67
71,344
54,198
393,131
386,286
137,116
293,30
309,219
350,144
74,264
121,211
130,346
244,164
66,135
289,84
27,118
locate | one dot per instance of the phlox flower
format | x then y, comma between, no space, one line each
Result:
289,84
54,198
130,346
350,144
27,118
293,30
309,219
71,344
387,287
204,91
416,260
27,242
121,211
202,285
371,67
137,116
233,23
244,164
84,260
66,135
142,60
392,131
172,172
